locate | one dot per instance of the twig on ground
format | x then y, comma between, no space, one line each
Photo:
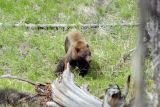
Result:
125,56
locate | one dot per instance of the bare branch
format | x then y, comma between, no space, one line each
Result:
125,56
18,78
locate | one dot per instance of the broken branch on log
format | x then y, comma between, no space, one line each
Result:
41,89
43,92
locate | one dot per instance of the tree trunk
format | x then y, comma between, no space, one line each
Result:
153,28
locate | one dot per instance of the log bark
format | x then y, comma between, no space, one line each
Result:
153,28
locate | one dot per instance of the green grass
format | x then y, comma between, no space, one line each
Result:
43,48
68,11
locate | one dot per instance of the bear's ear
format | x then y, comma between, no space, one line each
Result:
87,46
77,49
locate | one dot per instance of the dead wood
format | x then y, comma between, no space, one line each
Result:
41,96
128,54
67,26
66,93
63,92
139,57
18,78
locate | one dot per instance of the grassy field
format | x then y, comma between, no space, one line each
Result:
33,54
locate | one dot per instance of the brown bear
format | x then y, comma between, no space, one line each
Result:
77,53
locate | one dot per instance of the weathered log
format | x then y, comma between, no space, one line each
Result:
66,26
66,93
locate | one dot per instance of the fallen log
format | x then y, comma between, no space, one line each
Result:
66,93
66,26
